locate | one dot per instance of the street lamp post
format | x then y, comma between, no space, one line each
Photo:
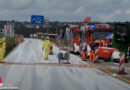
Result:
47,22
56,30
47,28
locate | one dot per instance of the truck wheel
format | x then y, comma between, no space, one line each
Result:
105,59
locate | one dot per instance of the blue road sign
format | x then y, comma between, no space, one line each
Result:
37,19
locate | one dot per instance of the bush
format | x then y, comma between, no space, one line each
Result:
10,44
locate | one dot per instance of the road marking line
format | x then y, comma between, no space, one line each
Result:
109,72
119,77
123,79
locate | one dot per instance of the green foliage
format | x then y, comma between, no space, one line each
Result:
10,44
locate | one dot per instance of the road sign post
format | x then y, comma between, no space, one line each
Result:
47,23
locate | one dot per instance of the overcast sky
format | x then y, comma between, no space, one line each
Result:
66,10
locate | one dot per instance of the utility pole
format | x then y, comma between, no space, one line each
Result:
47,21
56,30
47,28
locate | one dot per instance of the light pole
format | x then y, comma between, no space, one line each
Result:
56,30
47,26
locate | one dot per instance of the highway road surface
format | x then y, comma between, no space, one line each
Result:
41,77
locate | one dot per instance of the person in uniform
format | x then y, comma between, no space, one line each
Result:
47,44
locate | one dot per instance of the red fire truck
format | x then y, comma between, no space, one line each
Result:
74,39
99,36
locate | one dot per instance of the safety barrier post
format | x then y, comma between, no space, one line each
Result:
122,64
62,44
96,55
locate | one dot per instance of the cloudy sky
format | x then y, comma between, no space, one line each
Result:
66,10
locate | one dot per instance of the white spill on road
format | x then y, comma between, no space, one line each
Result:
31,51
53,77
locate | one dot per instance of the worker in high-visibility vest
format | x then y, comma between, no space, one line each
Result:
104,44
92,52
47,44
1,51
42,37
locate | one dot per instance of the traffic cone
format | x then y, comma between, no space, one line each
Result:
1,84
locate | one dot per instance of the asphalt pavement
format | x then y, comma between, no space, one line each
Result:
40,77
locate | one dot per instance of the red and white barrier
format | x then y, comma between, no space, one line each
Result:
96,55
122,63
59,42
